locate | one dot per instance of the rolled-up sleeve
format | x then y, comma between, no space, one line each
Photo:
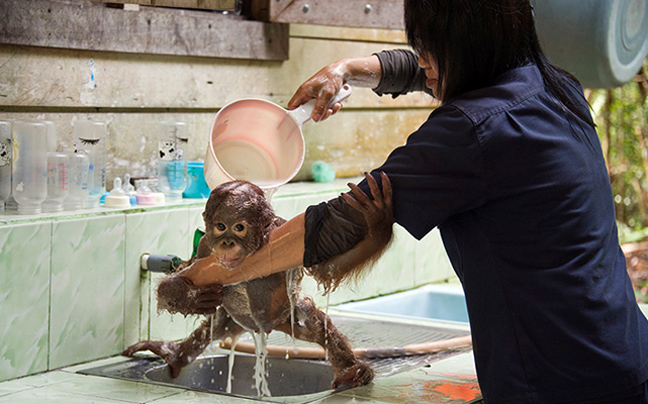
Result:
400,73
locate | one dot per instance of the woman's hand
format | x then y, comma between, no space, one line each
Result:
325,84
379,211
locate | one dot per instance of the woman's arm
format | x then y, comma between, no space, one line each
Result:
334,254
284,250
326,83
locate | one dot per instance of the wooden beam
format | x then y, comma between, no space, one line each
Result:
81,24
350,13
221,5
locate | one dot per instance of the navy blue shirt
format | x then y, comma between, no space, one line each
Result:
518,187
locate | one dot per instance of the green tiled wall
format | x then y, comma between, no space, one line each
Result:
72,291
24,293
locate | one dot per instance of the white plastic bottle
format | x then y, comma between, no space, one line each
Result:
58,172
90,136
5,163
79,169
29,167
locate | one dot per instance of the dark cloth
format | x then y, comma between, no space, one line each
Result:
332,228
402,73
518,187
637,395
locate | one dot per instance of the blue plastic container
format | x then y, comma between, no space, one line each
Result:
436,302
601,42
196,185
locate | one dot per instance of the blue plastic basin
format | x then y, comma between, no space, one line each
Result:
436,302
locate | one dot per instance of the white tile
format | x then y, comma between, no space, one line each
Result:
87,305
113,389
24,293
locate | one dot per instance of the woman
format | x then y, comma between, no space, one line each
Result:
510,169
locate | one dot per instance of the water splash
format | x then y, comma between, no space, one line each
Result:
230,365
260,371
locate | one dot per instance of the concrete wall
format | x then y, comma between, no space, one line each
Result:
132,92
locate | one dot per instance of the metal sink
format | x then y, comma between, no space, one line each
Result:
290,381
285,377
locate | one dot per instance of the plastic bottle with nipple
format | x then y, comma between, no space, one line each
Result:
29,168
129,189
90,136
143,193
5,163
117,198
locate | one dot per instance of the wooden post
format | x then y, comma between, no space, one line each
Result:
350,13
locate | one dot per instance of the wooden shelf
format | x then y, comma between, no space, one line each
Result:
90,25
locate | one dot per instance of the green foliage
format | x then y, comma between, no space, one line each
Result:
621,115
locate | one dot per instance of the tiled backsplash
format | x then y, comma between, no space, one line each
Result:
71,289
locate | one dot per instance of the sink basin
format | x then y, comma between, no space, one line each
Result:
291,381
437,302
285,377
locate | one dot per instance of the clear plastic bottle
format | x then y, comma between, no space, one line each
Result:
90,136
5,163
58,171
79,170
29,185
172,166
58,181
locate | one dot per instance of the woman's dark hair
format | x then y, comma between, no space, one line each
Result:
478,40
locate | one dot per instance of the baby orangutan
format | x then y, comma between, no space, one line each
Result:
238,220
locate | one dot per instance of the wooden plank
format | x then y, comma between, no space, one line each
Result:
386,36
221,5
229,5
81,24
139,2
350,13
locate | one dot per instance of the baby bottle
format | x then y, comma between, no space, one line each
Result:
5,163
58,171
129,189
78,179
117,198
172,166
90,136
29,183
143,193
